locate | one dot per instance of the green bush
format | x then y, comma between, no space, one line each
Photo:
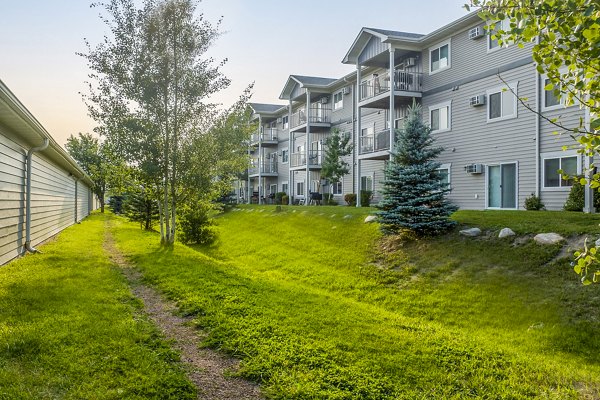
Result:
285,199
195,225
328,200
365,198
350,199
534,203
279,197
576,199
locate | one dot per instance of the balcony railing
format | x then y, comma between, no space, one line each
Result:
267,135
374,143
266,167
406,81
318,114
299,159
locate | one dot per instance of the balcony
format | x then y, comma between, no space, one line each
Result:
375,88
298,160
267,137
267,168
320,117
375,146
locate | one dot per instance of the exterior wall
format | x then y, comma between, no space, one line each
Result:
52,199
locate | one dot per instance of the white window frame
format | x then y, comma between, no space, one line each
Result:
338,105
560,155
285,185
488,39
372,189
487,185
283,159
303,189
561,105
271,188
437,47
446,104
447,167
285,121
504,90
340,185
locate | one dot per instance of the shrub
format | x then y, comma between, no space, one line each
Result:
279,197
534,203
365,198
285,199
195,224
576,199
328,200
350,199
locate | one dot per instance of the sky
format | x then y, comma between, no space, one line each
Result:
264,42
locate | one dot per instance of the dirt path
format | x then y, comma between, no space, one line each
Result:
205,368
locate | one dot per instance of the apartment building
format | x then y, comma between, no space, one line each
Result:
496,151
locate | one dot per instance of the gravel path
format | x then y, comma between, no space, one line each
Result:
205,368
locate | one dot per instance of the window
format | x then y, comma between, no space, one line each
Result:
338,100
503,25
284,187
553,163
502,102
285,156
300,189
444,173
439,57
366,183
286,121
439,117
273,189
550,99
336,187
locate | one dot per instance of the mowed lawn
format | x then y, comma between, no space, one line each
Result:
317,311
71,329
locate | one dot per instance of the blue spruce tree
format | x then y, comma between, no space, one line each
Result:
414,197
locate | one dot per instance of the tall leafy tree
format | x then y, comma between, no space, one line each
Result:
413,195
334,167
149,87
565,36
96,160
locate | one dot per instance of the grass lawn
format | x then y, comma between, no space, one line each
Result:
70,328
314,310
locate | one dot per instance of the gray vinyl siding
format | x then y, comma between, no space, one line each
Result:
52,199
474,140
297,91
373,48
469,57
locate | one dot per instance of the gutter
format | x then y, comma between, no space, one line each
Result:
537,133
28,196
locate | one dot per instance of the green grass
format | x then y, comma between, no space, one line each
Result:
315,311
70,328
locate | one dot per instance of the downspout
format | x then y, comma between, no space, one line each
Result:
358,133
76,196
537,133
307,150
291,147
353,134
28,196
260,159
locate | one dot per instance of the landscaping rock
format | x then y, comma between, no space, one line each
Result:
472,232
347,216
370,218
548,238
506,232
597,243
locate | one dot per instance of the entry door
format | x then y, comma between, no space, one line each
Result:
316,153
502,186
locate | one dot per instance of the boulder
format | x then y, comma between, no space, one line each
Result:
597,243
370,218
347,216
472,232
548,238
506,232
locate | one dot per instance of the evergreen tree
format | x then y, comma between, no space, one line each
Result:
414,197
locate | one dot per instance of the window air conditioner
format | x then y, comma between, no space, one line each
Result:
475,33
324,100
474,168
279,120
346,90
477,101
410,62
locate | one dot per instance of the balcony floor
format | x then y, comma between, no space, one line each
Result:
382,100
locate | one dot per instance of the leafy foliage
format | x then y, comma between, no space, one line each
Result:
350,199
365,198
196,225
534,203
414,197
141,206
334,167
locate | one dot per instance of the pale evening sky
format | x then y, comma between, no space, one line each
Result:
264,40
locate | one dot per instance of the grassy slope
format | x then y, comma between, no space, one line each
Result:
296,294
70,328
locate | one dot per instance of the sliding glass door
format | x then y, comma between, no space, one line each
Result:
502,186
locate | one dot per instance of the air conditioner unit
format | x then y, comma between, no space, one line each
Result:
474,168
346,90
477,101
475,33
410,62
279,120
324,100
